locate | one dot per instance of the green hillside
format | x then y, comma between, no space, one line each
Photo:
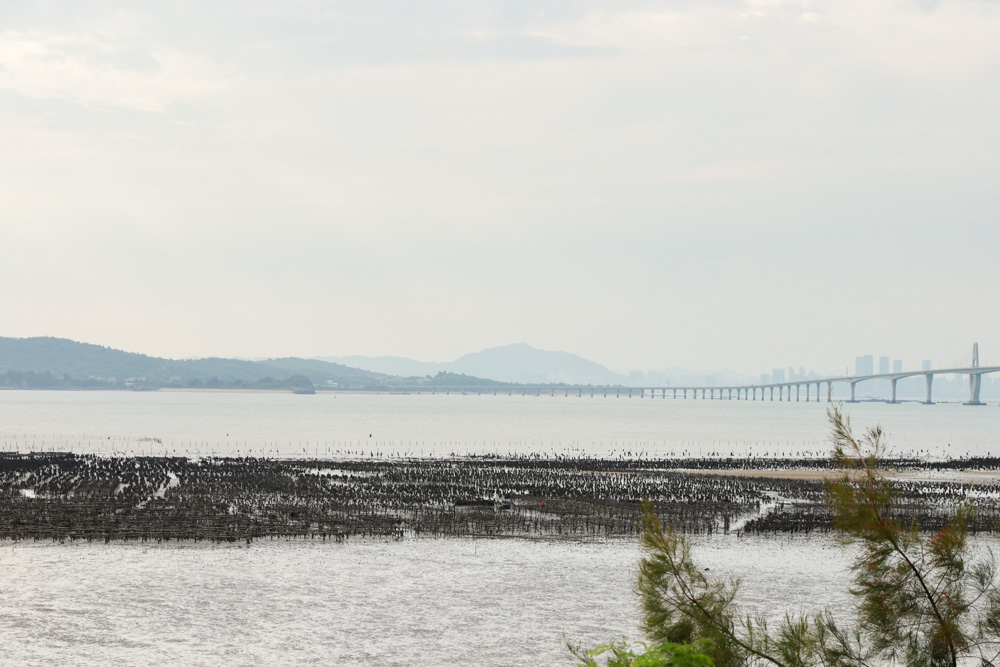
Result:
58,362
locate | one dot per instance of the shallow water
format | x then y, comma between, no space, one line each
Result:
409,602
415,601
199,423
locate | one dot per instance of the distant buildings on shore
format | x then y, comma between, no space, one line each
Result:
945,386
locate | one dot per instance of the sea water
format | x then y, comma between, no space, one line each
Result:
408,602
350,424
415,601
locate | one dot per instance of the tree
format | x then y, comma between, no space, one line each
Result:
621,654
923,600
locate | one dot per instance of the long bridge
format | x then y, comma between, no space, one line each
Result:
746,392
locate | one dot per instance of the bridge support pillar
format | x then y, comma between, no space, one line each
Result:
808,387
797,388
929,380
853,400
975,381
893,381
772,394
829,392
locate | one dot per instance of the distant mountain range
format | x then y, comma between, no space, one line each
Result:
62,363
518,363
58,362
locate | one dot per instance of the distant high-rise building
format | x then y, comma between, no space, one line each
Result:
791,373
778,375
864,365
883,364
926,365
765,378
897,365
654,379
802,371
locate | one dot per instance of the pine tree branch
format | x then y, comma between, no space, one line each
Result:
889,531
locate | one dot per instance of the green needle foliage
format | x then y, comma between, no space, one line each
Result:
922,600
621,654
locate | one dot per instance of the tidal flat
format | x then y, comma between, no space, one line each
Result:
64,496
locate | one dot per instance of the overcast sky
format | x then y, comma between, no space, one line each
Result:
648,184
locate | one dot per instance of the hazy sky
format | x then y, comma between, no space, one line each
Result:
647,184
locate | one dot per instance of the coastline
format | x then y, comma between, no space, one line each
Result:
225,499
929,476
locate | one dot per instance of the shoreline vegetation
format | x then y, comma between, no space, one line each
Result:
928,598
68,497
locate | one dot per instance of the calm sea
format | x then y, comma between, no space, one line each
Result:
415,601
199,423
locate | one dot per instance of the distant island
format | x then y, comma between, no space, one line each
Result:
59,363
518,363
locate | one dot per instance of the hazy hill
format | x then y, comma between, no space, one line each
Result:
400,366
522,363
59,357
509,363
83,362
320,371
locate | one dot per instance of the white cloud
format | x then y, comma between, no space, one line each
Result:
630,162
91,69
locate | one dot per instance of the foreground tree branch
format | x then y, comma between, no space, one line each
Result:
922,601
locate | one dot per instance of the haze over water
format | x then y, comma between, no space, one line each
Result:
330,425
415,601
